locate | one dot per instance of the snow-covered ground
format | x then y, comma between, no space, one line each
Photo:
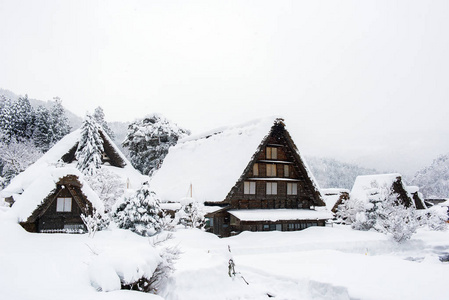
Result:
316,263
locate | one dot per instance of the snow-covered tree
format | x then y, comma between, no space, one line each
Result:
396,219
140,213
191,216
17,120
148,141
23,118
16,157
42,135
383,212
59,121
108,186
90,147
99,118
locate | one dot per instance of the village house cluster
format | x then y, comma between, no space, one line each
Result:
248,178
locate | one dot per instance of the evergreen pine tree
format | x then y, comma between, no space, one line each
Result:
23,119
42,135
148,141
140,213
90,147
6,122
59,122
99,118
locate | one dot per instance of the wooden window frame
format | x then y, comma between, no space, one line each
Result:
272,153
249,187
256,169
63,204
272,188
286,171
271,170
292,188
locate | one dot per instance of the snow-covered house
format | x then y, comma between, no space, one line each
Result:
51,194
377,187
333,197
250,176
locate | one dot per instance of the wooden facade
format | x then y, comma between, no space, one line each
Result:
61,210
275,178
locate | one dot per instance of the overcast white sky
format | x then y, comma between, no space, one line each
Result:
360,81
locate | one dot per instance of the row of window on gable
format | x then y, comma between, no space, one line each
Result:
271,170
249,188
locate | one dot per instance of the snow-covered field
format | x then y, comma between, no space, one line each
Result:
316,263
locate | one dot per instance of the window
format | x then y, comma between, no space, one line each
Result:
272,188
249,188
286,171
291,226
266,227
292,188
271,170
64,204
272,153
256,170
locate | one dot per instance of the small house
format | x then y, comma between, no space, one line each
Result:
250,177
333,197
377,187
55,201
51,194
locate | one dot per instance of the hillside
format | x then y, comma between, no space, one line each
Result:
433,180
331,173
74,120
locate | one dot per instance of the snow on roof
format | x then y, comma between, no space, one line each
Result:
43,185
212,162
445,203
412,189
274,215
51,157
369,186
332,195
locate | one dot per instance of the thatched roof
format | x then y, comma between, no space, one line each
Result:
214,162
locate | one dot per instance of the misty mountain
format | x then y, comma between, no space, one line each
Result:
74,120
433,180
331,173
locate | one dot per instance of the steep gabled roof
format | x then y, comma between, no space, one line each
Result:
214,162
368,187
333,197
35,194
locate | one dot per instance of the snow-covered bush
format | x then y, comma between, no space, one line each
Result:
140,213
190,215
95,222
435,218
148,141
396,219
108,186
349,209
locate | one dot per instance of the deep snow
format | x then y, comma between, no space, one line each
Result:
316,263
